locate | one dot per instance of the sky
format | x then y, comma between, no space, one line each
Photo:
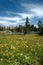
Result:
14,12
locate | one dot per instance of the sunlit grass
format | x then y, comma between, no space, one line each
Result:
21,49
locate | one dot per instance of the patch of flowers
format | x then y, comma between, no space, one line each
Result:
21,50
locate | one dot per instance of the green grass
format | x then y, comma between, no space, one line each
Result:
21,49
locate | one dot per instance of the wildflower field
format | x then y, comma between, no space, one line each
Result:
21,49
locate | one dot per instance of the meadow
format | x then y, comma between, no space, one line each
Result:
21,49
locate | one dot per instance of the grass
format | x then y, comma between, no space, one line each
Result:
21,49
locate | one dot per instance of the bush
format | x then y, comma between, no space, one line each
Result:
40,33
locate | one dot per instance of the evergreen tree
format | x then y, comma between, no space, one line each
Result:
27,24
40,28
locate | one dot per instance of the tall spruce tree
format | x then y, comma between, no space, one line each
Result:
40,27
27,24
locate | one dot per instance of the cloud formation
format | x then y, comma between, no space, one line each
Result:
35,9
15,18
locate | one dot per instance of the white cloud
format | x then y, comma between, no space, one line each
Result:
6,23
33,9
24,15
14,21
11,21
38,12
10,18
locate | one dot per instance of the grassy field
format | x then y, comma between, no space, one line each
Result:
21,49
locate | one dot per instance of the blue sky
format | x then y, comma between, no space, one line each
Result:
14,12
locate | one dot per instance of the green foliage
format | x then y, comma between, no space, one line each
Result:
40,28
27,24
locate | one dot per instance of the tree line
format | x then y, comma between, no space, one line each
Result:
26,28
